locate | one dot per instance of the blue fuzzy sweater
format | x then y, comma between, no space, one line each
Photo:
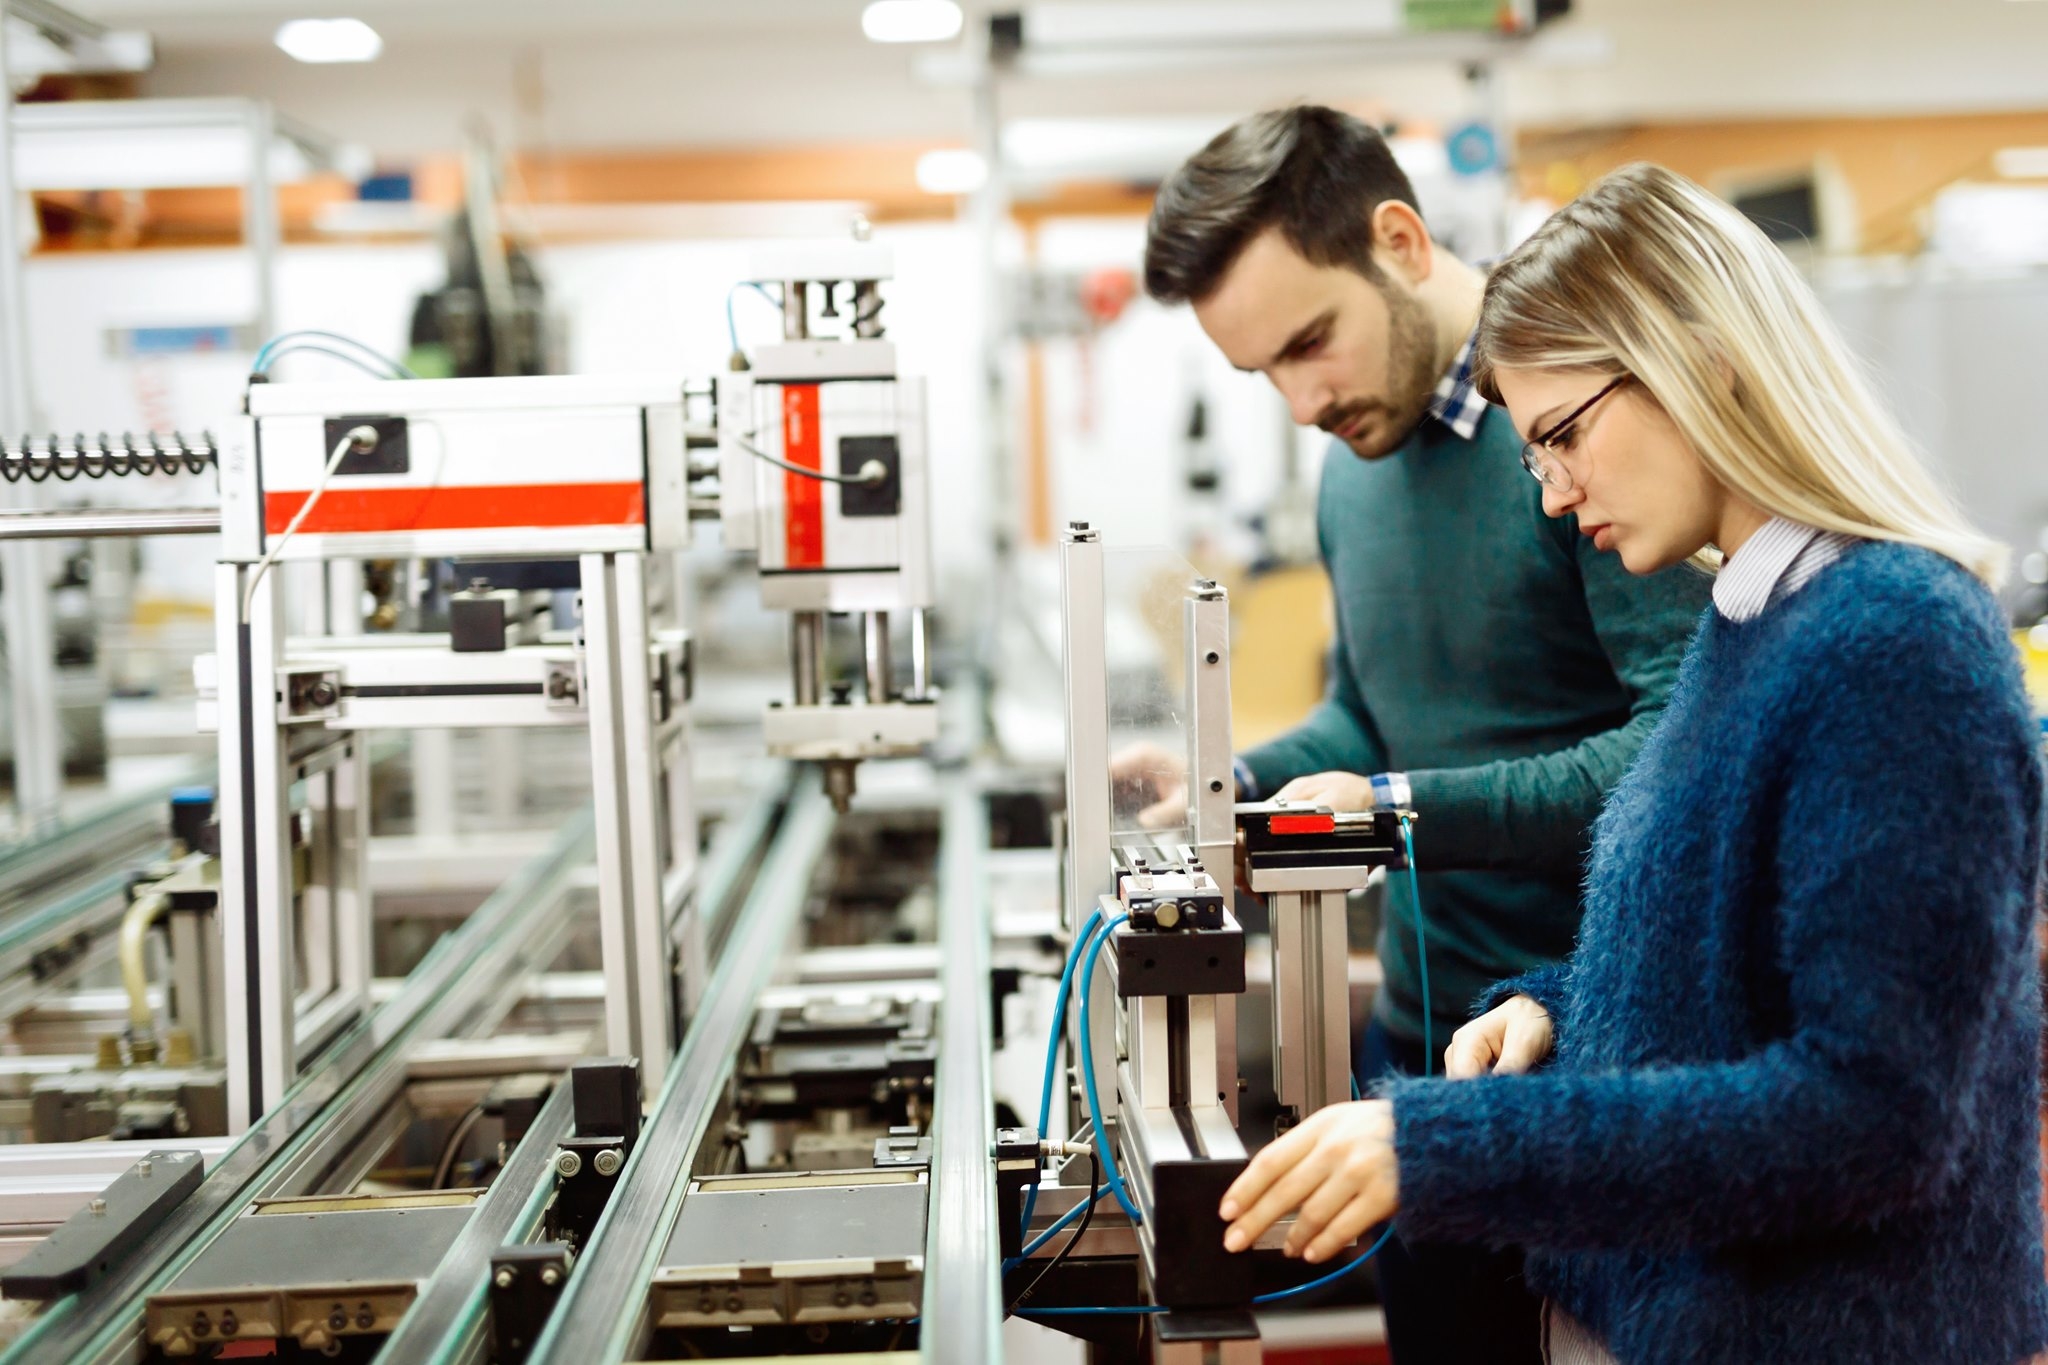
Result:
1793,1112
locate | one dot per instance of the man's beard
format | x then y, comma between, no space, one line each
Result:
1411,379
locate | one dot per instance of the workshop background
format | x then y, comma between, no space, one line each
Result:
631,154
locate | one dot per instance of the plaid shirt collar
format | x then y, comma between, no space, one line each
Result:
1457,403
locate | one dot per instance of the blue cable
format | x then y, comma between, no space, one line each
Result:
1058,1223
264,352
1112,1178
1421,949
1339,1273
732,328
1276,1296
1053,1039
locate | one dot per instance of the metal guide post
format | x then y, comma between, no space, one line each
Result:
1212,789
603,697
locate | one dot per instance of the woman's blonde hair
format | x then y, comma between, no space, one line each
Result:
1647,274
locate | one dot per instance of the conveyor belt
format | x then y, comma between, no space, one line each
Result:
309,1133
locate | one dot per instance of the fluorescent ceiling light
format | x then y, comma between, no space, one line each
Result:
951,170
911,21
329,40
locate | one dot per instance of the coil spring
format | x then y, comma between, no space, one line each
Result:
55,457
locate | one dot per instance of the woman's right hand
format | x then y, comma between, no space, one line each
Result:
1508,1039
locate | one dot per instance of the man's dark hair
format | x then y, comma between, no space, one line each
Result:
1315,173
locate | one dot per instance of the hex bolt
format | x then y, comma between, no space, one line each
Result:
323,693
569,1165
504,1279
143,1168
98,1207
608,1161
550,1276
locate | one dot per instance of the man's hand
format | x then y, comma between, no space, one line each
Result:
1507,1040
1153,779
1337,1168
1339,791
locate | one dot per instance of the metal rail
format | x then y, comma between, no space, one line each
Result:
962,1316
447,1321
293,1144
601,1308
87,523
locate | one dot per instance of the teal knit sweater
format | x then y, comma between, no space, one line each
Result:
1508,668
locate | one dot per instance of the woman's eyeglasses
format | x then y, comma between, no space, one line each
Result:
1539,454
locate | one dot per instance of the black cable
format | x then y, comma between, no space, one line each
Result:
1095,1193
457,1136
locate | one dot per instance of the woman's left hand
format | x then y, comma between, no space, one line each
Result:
1337,1168
1341,792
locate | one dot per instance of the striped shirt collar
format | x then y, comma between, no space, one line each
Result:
1457,402
1777,560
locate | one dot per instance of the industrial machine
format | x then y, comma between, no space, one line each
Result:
822,475
756,1119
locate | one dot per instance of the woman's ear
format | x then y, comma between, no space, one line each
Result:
1402,242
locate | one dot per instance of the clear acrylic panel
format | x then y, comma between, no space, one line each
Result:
1145,591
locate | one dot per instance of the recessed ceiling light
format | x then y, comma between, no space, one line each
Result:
911,21
2021,163
329,40
951,170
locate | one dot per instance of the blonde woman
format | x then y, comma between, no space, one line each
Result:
1781,1103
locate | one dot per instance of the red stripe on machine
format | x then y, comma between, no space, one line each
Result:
1303,824
803,500
469,507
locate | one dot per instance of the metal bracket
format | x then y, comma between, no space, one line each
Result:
563,684
308,694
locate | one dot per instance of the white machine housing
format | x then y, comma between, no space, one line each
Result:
829,545
526,466
827,405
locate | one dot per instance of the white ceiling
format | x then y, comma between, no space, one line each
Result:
636,73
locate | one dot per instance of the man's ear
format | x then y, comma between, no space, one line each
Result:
1401,242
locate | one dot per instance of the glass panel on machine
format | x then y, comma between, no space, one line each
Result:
1145,592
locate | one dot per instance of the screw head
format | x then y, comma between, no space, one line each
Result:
608,1161
504,1279
568,1164
550,1276
143,1167
1216,784
98,1207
